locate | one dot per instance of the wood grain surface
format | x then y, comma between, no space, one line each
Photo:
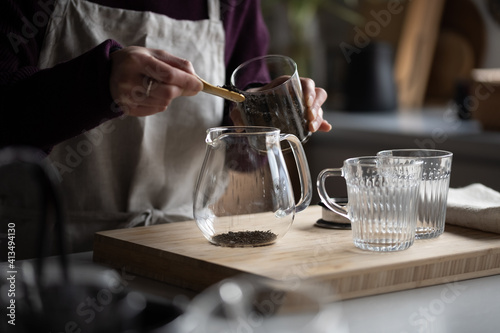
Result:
415,52
178,254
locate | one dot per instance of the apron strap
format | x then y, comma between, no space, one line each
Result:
214,10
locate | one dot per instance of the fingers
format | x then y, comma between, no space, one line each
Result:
165,93
180,63
145,81
314,98
274,83
315,111
235,116
143,104
173,71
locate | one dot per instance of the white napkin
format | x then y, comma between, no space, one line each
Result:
474,206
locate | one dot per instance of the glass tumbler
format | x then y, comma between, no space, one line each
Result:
273,95
382,200
433,191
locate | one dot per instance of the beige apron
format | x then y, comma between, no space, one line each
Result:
135,171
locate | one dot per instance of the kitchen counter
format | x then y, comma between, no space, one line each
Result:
464,306
456,306
424,122
476,152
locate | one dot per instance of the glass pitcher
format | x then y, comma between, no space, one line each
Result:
244,196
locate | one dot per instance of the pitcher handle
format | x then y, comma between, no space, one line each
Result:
325,198
303,170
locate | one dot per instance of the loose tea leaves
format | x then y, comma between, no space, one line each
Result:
284,111
244,238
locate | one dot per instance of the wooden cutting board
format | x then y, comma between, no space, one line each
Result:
178,254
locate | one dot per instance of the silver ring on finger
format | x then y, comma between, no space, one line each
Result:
148,89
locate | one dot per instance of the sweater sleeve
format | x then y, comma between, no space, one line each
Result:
246,33
247,37
41,108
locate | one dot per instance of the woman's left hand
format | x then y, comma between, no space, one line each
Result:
314,98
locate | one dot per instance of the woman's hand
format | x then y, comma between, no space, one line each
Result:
314,98
145,81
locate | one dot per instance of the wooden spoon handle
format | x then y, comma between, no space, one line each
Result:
222,92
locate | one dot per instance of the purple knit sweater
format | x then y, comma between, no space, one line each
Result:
44,107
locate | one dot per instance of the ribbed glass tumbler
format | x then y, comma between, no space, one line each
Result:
433,190
382,200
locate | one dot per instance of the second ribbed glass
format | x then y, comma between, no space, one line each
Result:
433,190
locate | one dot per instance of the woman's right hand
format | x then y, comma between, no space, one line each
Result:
145,81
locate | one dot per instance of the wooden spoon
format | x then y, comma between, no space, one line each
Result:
221,92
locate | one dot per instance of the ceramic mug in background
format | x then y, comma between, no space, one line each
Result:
433,190
382,200
273,95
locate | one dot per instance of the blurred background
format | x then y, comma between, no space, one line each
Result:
444,39
399,74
